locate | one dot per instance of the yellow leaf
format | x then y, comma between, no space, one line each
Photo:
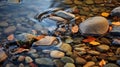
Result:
105,14
94,43
10,37
116,23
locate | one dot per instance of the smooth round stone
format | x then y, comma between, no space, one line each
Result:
89,1
21,65
94,25
79,49
56,54
21,58
69,65
80,60
28,59
115,12
10,65
32,51
10,29
35,55
110,65
117,51
89,64
92,52
44,61
58,63
66,47
3,24
67,59
103,48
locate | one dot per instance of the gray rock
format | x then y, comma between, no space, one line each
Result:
67,59
94,25
10,29
66,47
103,48
57,54
110,65
65,15
89,1
80,60
44,61
21,58
69,65
115,12
92,52
32,51
115,30
34,55
3,24
118,62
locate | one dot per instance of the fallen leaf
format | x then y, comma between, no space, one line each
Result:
75,29
116,23
105,14
102,63
20,50
10,37
89,39
40,37
94,43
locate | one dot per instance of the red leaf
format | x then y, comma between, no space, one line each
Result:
89,39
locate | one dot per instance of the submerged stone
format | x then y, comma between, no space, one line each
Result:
115,12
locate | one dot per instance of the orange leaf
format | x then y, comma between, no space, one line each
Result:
10,37
94,43
89,39
40,37
116,23
102,63
105,14
75,29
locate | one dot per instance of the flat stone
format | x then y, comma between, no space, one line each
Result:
67,1
59,19
118,51
58,63
80,60
94,25
3,24
103,48
89,64
99,1
44,61
10,29
67,59
34,55
57,54
77,2
89,1
92,52
66,47
69,65
115,30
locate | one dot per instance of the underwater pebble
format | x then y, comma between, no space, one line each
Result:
57,54
28,59
69,65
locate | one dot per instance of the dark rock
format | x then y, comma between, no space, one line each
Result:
110,65
58,63
118,62
115,31
115,12
80,60
67,60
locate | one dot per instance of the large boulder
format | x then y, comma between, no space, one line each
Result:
94,25
115,12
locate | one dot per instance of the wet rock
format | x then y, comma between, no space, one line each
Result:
99,1
80,60
3,55
77,2
79,49
28,59
34,55
110,65
69,40
3,24
69,65
92,52
116,42
94,25
46,51
89,64
67,1
103,48
77,40
65,15
82,53
69,53
118,62
47,40
82,12
117,51
112,58
57,54
21,58
66,47
105,41
58,63
67,59
115,12
89,1
44,61
115,31
10,29
32,51
59,19
21,65
10,65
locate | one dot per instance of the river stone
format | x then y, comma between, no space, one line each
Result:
67,59
56,54
34,55
110,65
89,1
28,59
115,30
67,1
118,51
44,61
21,58
89,64
10,29
65,15
103,48
94,25
118,62
3,55
58,63
115,12
69,65
99,1
92,52
32,51
66,47
80,60
3,24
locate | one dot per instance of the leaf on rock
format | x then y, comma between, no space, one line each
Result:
10,37
105,14
116,23
75,29
89,39
102,63
94,43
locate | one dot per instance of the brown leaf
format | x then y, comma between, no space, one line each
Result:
10,37
89,39
75,29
